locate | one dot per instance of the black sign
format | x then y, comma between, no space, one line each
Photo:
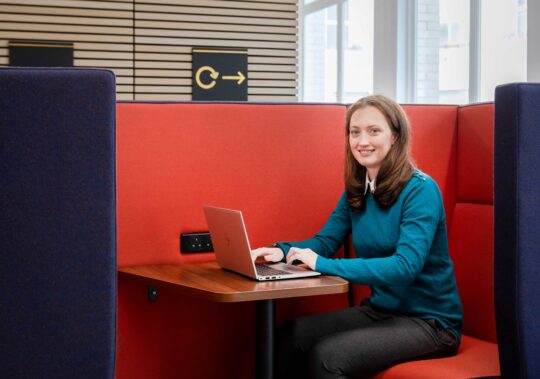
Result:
40,54
219,74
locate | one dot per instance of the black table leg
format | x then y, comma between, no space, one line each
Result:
264,339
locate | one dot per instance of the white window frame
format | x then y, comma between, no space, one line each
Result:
475,22
405,91
533,41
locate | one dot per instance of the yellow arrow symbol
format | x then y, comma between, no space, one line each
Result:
213,74
240,77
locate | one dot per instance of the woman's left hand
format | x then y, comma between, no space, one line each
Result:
307,256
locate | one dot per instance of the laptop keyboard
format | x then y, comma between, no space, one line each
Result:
265,270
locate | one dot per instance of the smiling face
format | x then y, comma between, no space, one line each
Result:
370,138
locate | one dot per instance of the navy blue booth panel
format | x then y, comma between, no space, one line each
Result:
57,223
517,228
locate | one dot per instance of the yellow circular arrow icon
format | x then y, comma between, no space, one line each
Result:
213,74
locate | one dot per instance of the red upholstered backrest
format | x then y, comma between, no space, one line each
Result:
475,154
434,141
471,231
282,165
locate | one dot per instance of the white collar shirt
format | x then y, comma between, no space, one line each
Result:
370,183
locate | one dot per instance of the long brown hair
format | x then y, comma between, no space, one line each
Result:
396,168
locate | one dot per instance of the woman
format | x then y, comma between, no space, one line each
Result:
395,215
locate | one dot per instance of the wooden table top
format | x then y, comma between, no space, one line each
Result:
208,281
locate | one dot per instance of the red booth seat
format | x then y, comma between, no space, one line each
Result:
476,358
282,165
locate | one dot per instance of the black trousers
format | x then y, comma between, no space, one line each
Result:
357,342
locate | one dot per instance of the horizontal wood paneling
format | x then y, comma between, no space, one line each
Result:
253,52
128,40
104,63
71,29
226,4
274,75
104,5
272,98
45,9
124,55
105,47
215,19
179,27
166,30
172,41
246,12
201,34
101,32
123,96
148,43
163,97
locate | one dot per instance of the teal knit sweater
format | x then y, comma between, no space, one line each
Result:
401,252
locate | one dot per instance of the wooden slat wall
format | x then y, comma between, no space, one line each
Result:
147,43
102,32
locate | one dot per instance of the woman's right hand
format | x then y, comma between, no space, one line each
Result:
267,254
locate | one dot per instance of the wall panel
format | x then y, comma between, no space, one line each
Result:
147,43
101,32
166,30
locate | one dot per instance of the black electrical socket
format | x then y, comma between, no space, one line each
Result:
196,243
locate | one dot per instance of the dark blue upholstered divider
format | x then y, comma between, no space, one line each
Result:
57,223
517,228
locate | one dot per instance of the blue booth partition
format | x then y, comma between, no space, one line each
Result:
517,228
58,223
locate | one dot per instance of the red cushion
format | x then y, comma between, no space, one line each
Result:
471,249
475,358
475,154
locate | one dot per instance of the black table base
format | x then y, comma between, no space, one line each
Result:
264,339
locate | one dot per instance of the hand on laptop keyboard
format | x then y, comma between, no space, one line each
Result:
306,256
267,254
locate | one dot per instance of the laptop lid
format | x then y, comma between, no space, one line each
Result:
230,240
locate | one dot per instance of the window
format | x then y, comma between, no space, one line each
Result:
449,51
319,60
442,64
358,50
445,72
503,46
336,50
